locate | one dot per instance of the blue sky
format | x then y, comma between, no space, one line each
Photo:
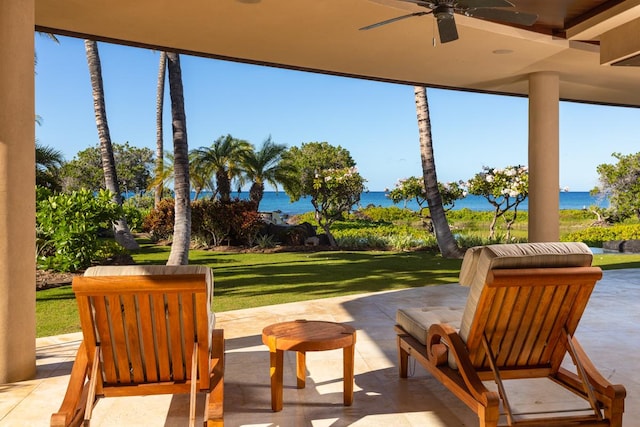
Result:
375,121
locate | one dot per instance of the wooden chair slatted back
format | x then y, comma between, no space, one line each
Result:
524,314
146,326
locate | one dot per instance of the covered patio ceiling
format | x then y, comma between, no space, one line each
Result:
578,39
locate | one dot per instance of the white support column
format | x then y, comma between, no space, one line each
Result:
17,191
544,157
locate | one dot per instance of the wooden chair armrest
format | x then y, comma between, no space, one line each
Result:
73,406
458,349
602,386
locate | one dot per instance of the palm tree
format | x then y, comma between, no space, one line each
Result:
446,242
200,176
165,177
264,166
182,224
199,181
223,160
48,164
159,137
122,232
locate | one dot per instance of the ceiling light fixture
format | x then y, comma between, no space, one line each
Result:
502,51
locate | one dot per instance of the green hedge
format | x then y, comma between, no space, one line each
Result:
595,236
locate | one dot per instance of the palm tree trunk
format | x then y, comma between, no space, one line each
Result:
224,185
122,233
182,226
446,242
159,137
256,193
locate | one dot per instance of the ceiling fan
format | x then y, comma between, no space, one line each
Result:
444,10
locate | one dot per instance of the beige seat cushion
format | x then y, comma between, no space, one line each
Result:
416,321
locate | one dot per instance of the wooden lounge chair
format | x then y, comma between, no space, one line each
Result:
524,305
146,330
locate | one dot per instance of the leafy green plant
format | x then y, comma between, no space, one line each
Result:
620,182
595,236
134,216
401,242
385,214
68,228
362,242
266,241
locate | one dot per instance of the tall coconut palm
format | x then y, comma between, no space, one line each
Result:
122,232
446,242
264,167
182,224
159,134
222,159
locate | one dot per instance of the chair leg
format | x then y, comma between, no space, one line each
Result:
488,416
214,405
616,408
403,360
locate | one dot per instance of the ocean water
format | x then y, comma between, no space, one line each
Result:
279,201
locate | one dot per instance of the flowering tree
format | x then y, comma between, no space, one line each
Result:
504,189
328,175
412,188
335,191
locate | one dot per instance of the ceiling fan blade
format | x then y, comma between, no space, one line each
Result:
447,30
389,21
472,4
501,15
423,3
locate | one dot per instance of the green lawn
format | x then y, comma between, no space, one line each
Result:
245,280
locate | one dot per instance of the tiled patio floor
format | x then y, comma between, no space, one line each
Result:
609,332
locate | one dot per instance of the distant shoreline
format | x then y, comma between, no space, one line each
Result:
279,202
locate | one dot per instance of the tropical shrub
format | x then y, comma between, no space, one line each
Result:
212,222
68,228
135,217
471,240
265,241
359,235
361,243
159,221
235,222
385,214
595,236
402,242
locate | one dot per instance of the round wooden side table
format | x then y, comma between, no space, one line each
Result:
302,336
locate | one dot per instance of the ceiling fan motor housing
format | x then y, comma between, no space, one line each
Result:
443,11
